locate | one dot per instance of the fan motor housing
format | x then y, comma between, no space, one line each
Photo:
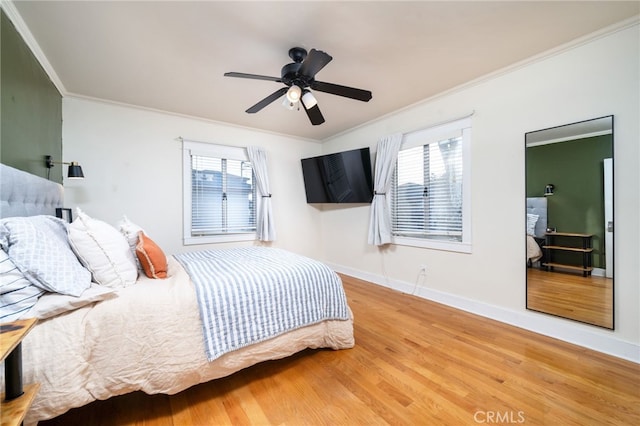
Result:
297,54
290,75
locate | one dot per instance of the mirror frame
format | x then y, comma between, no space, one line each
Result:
569,136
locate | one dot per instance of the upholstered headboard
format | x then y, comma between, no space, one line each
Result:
538,205
24,194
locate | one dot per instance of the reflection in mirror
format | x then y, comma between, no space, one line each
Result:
569,187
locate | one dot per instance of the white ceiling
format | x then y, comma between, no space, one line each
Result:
171,55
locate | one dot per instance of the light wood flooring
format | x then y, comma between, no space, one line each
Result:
586,299
415,363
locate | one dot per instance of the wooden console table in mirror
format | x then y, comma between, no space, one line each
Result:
566,242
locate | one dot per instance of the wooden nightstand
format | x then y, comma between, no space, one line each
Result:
20,399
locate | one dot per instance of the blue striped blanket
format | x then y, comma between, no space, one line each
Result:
248,295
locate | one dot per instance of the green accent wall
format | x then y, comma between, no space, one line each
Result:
31,108
575,168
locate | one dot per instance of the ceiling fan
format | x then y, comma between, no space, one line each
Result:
299,79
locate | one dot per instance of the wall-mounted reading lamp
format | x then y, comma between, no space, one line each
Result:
548,190
75,171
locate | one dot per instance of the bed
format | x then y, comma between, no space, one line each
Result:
163,335
536,227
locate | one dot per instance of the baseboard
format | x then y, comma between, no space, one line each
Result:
566,330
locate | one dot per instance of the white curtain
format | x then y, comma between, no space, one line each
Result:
380,222
264,222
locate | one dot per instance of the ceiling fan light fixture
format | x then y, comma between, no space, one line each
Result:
308,100
294,93
288,104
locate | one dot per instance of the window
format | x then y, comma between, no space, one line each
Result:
219,194
430,194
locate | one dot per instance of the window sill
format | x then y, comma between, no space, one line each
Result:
212,239
464,247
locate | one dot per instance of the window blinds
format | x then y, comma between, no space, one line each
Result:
426,196
223,196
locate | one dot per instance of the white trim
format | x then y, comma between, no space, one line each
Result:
547,325
82,97
228,152
30,41
466,183
448,130
570,138
558,50
460,247
15,18
210,239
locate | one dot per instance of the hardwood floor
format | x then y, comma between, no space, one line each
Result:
587,299
415,363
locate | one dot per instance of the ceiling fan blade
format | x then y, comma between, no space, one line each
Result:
252,76
347,92
266,101
314,62
314,114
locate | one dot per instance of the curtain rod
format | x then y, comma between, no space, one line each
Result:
181,139
440,123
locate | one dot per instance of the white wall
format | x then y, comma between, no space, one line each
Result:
592,80
133,166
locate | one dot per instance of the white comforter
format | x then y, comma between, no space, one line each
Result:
149,338
533,249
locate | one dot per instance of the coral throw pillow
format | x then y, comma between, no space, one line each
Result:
151,256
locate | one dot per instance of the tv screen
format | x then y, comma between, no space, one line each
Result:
343,177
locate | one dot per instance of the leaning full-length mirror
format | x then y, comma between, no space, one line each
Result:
569,189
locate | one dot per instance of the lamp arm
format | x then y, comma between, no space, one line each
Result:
49,163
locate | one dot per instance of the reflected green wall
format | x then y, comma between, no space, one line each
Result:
575,168
31,108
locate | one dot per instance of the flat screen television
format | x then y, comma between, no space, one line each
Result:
343,177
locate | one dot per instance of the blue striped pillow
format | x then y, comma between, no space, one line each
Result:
39,247
17,294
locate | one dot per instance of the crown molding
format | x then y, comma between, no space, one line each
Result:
14,16
570,45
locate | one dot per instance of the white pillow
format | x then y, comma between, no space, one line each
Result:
103,251
131,231
532,219
52,304
17,294
39,247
